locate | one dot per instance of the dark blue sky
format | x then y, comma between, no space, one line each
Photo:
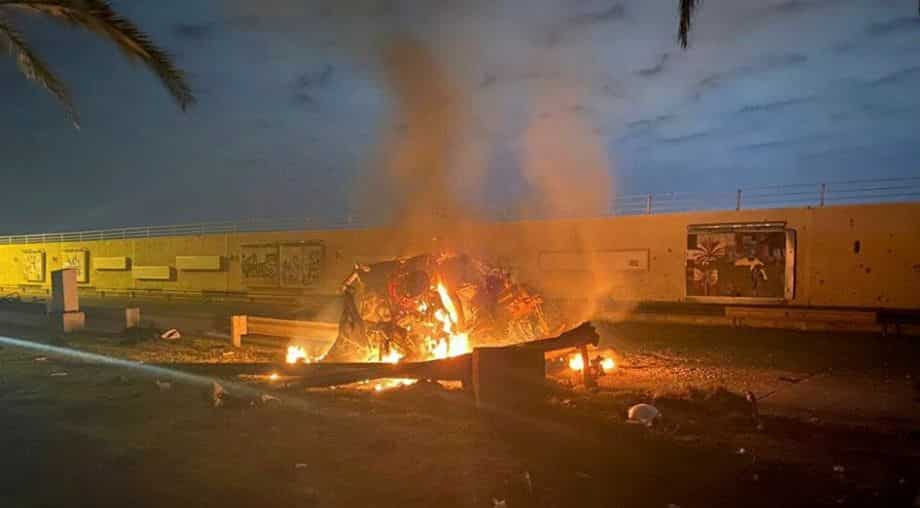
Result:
295,108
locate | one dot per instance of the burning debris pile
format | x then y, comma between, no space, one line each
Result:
432,307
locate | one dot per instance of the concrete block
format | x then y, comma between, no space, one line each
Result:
64,291
68,321
508,378
132,317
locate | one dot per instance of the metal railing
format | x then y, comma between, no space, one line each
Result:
847,192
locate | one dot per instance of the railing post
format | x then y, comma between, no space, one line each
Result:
738,201
648,205
823,192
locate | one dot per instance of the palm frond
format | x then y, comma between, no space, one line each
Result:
98,16
687,8
33,68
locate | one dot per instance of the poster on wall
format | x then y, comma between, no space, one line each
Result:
79,260
301,264
260,266
737,261
33,265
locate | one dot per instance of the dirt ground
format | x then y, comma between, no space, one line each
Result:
839,427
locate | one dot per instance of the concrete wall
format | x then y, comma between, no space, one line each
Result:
884,273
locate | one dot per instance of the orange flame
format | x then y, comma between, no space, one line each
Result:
456,343
576,362
297,354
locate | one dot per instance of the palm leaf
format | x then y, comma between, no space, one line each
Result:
687,8
99,17
34,68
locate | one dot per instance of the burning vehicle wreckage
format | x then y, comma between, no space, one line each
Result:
432,307
439,318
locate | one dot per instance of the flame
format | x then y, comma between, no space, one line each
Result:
392,357
456,343
608,364
387,384
296,354
273,376
576,362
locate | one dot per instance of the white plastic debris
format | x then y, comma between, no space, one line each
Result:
499,503
59,374
217,394
645,414
171,334
266,398
163,385
41,359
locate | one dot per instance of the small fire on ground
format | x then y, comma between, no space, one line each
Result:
606,364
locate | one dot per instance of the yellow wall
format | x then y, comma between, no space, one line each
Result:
885,273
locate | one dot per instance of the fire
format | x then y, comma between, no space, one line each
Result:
392,357
576,362
456,343
608,364
297,354
273,376
387,384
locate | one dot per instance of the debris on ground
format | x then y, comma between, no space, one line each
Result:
217,394
839,469
171,334
300,465
40,359
59,374
645,414
499,503
163,385
266,398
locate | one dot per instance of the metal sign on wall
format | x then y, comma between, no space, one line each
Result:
737,262
33,265
78,259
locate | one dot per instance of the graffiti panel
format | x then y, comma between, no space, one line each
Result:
260,265
77,259
741,264
301,264
33,265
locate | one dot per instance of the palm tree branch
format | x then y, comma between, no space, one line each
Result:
98,16
34,68
687,8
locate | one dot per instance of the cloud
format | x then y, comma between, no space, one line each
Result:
775,106
897,77
193,31
897,25
655,69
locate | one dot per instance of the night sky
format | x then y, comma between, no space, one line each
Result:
294,107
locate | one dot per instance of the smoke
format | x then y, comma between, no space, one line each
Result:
488,110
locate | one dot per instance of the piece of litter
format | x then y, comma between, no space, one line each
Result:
499,503
269,398
217,394
41,359
839,469
643,413
741,451
171,334
163,385
300,465
58,374
528,482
